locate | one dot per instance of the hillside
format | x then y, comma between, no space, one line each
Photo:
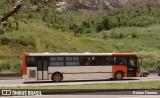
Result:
128,29
33,37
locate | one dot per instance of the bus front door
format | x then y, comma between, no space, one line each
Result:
42,69
132,67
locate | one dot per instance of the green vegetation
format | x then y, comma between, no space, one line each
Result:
94,22
90,87
127,29
10,66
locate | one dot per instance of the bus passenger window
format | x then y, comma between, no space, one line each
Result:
109,60
84,61
100,60
72,61
124,61
56,61
87,61
120,60
30,61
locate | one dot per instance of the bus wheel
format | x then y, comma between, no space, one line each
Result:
57,77
118,76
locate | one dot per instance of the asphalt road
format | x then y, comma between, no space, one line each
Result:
20,82
126,94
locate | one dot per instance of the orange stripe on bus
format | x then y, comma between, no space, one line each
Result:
137,74
24,63
116,68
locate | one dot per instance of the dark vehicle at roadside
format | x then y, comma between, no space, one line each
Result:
158,70
144,73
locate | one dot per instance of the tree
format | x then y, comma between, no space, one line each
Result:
103,25
25,9
14,10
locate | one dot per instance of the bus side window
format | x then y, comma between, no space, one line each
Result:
109,60
99,60
93,61
96,61
119,61
85,61
72,61
124,61
30,61
56,61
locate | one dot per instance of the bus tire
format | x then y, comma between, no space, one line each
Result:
57,77
118,75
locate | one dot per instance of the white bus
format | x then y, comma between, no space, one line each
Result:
79,66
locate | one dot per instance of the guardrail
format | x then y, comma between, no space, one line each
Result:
11,75
152,71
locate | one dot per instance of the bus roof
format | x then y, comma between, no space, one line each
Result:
81,54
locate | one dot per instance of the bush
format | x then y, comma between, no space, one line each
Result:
1,31
4,40
86,24
135,34
27,40
11,66
5,66
149,64
105,35
117,35
16,67
88,31
73,26
78,31
103,25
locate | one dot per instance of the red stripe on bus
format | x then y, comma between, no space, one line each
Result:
116,68
86,72
124,54
24,68
137,74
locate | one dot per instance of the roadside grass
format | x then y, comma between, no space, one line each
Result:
105,86
10,66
